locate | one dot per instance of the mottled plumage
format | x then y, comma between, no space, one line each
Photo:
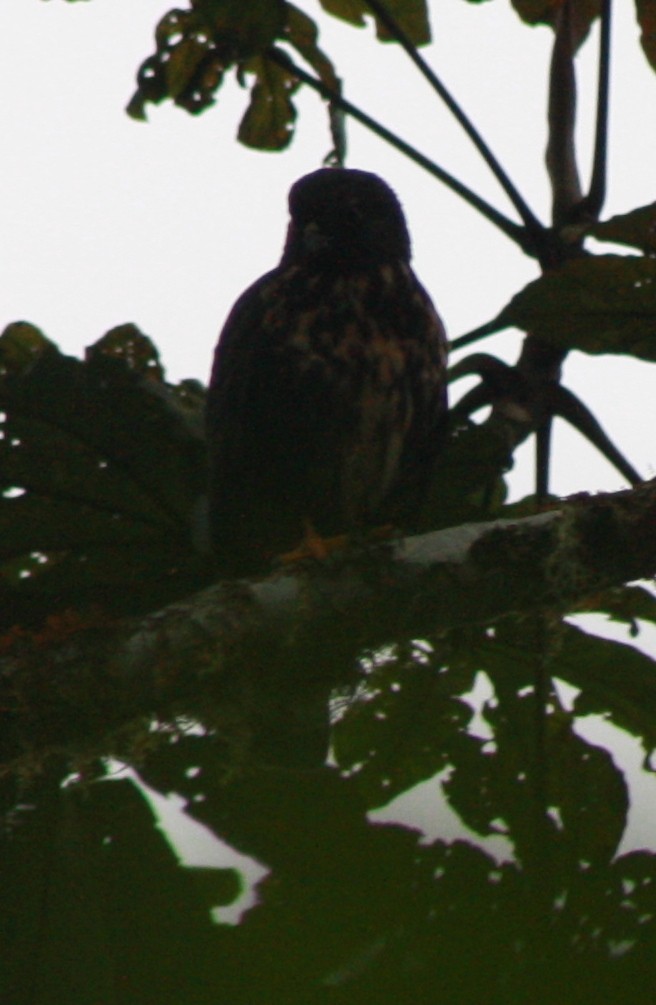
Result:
327,394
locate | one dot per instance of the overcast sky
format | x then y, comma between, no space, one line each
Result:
106,220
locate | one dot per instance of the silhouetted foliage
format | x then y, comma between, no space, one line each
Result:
103,471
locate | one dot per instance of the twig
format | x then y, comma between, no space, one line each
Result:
531,222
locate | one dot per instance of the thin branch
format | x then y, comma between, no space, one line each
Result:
569,407
514,231
592,204
531,222
489,328
543,458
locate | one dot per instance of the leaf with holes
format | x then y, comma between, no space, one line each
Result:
269,120
102,471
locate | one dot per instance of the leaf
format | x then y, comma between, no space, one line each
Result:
352,11
546,11
646,13
91,888
127,343
302,34
102,466
183,65
637,228
196,47
493,783
467,484
600,304
22,345
615,679
411,15
268,122
403,727
626,605
241,29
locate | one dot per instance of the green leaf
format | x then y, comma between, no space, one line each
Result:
269,120
494,782
92,889
646,13
352,11
402,729
600,304
616,681
238,28
636,229
22,345
626,605
102,466
196,47
302,34
411,15
546,11
183,66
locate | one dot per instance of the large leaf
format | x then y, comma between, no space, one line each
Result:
600,304
102,469
91,889
493,784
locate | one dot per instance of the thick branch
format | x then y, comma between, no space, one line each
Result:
101,678
561,148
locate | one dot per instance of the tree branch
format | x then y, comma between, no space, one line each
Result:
561,148
104,676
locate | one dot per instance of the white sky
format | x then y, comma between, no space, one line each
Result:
105,220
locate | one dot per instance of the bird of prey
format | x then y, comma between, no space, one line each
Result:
327,396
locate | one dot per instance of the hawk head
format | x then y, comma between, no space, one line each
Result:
344,219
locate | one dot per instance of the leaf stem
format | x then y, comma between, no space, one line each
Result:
594,200
532,224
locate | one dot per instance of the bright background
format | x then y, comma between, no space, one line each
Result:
104,220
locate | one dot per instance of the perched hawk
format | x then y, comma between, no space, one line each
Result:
327,396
